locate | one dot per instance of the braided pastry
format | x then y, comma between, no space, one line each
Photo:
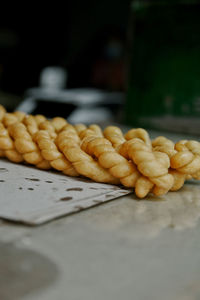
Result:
92,130
132,159
187,158
58,123
79,127
165,145
108,158
31,124
114,135
47,126
25,145
2,112
139,133
7,147
69,143
142,184
152,165
50,153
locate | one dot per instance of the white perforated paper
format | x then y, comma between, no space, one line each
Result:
35,196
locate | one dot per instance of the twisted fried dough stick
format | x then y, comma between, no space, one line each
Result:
46,125
143,184
68,131
69,144
32,123
114,135
139,133
79,127
184,157
25,145
152,165
39,119
11,118
7,147
58,123
165,145
51,153
108,158
92,130
2,112
187,158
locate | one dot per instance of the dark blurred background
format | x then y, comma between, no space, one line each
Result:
147,51
80,36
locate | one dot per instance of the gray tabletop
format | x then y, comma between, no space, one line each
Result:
123,249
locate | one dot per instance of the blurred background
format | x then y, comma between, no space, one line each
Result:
85,38
135,62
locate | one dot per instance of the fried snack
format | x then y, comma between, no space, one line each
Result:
39,119
7,147
11,118
47,125
114,135
152,165
133,159
92,130
165,145
68,131
79,127
187,158
25,145
141,183
139,133
31,124
58,123
20,115
2,112
51,153
69,143
108,158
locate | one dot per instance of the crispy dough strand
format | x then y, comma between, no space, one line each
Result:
39,119
2,112
151,165
46,125
51,153
109,159
91,131
84,164
11,118
79,128
26,146
187,158
58,123
132,159
165,145
20,115
31,124
7,147
139,133
68,132
114,135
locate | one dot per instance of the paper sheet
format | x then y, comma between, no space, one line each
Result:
35,196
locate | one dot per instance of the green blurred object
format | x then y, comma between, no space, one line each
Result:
163,89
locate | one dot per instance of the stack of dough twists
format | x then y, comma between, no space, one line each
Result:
109,156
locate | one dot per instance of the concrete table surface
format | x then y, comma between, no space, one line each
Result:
124,249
